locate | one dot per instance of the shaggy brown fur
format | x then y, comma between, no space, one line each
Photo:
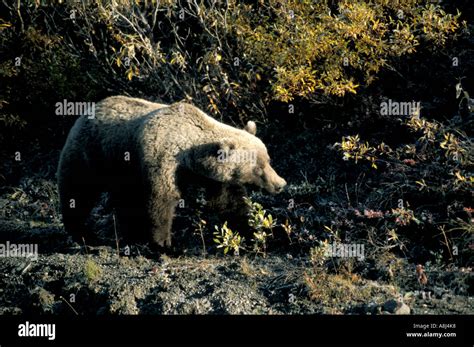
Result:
144,153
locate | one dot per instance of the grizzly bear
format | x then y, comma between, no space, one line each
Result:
145,154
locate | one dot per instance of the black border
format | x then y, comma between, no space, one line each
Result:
223,330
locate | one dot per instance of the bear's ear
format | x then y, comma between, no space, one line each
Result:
251,127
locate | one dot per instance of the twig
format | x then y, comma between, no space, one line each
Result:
154,16
19,15
26,268
70,306
116,236
347,194
85,246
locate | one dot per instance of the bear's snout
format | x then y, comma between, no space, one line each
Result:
274,183
279,185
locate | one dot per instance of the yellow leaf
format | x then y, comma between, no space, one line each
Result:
130,74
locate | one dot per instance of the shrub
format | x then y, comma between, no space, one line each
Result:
233,57
305,49
426,185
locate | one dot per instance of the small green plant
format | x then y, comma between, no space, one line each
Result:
353,148
463,179
260,242
258,217
319,254
262,222
92,270
453,147
288,229
428,128
404,216
456,147
227,239
200,226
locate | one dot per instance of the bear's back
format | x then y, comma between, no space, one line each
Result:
116,108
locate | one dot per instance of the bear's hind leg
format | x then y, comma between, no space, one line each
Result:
77,202
129,214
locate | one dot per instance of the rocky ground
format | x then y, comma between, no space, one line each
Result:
70,279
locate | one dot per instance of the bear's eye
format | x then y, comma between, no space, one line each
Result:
258,171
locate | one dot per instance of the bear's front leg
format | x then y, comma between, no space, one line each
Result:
229,199
161,205
162,216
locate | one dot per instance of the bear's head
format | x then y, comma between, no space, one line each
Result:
239,158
